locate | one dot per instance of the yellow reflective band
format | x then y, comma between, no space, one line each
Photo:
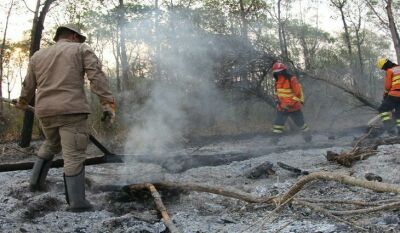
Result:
386,118
305,128
277,131
284,90
278,126
395,78
398,120
395,82
296,99
285,95
383,114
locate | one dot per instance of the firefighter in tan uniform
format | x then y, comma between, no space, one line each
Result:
56,76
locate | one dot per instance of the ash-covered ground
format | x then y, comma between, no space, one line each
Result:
116,211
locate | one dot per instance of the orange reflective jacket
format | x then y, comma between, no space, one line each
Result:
392,81
289,93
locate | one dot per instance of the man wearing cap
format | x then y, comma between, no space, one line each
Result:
56,75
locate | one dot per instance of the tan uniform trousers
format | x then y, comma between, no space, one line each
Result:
69,134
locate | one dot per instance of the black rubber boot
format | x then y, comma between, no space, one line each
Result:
75,193
39,173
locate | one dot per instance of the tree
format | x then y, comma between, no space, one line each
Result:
36,35
2,51
389,23
340,4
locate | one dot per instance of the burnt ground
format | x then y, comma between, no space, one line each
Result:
116,211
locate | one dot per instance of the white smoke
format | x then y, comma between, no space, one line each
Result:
183,94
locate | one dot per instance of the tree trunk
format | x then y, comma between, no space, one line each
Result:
117,55
157,42
2,49
346,31
393,29
124,57
244,26
340,5
36,36
282,35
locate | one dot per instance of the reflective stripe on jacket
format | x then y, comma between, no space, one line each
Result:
289,93
392,81
57,74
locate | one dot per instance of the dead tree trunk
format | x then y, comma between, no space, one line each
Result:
393,29
36,36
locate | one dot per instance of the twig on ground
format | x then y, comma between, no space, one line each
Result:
339,201
328,214
362,139
345,179
389,206
160,206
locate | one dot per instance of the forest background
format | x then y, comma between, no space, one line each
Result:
186,68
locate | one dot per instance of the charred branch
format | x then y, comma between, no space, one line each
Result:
160,206
295,170
362,150
58,163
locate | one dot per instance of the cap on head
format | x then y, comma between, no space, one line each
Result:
381,62
278,66
71,27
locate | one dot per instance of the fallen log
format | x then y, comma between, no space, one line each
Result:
60,163
181,163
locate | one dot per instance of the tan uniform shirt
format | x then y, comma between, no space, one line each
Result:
57,73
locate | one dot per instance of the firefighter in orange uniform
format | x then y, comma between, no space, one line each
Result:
391,96
289,100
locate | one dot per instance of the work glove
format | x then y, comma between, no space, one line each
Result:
20,104
108,112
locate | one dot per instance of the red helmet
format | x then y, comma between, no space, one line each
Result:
278,67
